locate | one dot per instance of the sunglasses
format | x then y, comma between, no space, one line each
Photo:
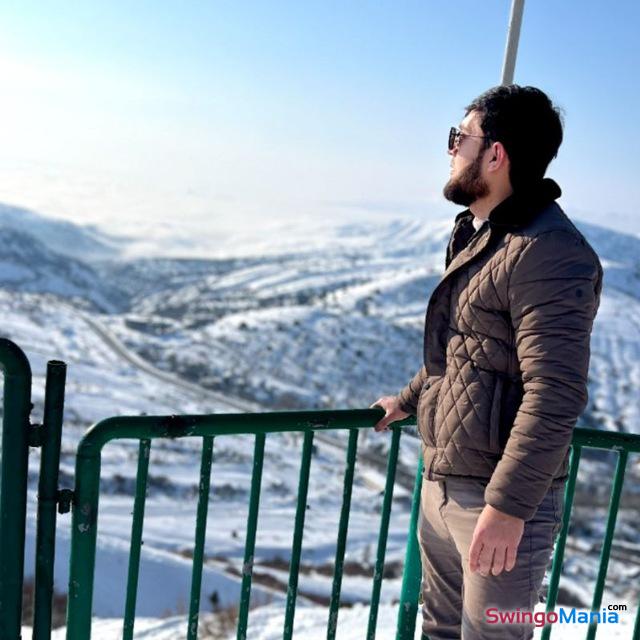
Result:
456,137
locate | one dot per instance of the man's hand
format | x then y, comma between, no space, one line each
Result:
495,542
393,412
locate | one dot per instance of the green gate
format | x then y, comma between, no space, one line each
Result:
18,434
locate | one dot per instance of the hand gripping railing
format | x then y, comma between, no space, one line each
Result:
146,429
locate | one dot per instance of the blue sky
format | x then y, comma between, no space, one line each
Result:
133,114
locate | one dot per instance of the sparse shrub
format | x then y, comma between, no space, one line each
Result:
58,605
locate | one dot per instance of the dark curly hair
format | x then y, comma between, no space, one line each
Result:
527,123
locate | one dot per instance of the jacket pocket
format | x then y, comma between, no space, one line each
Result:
426,411
495,415
512,393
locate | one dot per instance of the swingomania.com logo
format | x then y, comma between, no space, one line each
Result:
608,615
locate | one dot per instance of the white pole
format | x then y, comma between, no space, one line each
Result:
513,36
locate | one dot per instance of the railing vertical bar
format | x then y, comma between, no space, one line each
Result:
301,508
636,626
84,526
47,499
201,530
384,530
608,537
412,574
342,534
250,543
558,556
136,538
14,452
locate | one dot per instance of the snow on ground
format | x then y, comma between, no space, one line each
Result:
267,623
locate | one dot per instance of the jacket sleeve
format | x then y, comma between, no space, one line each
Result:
410,395
553,294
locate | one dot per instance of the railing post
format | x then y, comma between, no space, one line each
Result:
250,540
301,509
614,504
334,603
82,560
137,523
558,556
412,574
48,498
204,489
13,484
384,531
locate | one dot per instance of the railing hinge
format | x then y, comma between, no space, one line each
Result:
35,435
65,498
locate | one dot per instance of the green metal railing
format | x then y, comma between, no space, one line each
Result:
148,428
621,443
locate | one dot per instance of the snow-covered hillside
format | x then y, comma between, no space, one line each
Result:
83,243
333,323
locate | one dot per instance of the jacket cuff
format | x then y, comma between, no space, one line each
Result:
516,489
406,406
509,504
409,396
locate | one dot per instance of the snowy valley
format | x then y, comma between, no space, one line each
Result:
325,324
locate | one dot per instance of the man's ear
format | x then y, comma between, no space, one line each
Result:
498,156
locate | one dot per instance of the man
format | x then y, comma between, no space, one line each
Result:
506,355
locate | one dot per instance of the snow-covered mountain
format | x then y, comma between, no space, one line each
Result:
335,326
28,264
85,243
336,329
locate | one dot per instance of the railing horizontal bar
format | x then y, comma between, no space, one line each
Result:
342,534
250,544
201,530
136,538
558,556
597,439
301,508
616,491
285,421
226,424
384,531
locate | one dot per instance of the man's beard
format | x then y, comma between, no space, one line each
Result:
469,186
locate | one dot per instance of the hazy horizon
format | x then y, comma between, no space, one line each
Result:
197,123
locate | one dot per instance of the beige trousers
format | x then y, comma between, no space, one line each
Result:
455,601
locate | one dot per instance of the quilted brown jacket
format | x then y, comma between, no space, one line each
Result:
506,350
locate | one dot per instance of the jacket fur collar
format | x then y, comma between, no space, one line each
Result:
521,206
